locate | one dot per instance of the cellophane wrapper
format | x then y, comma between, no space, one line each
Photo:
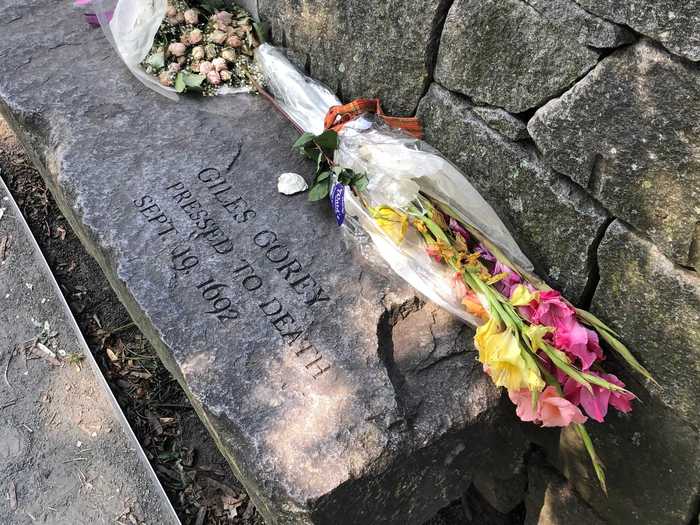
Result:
398,167
131,26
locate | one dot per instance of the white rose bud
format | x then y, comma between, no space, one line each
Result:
224,17
165,79
198,53
171,12
225,75
219,64
218,37
184,38
195,36
229,54
173,67
213,78
234,41
210,51
192,16
206,67
180,18
177,49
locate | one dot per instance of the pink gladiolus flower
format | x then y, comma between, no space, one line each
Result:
485,254
433,250
456,227
522,399
596,404
506,285
580,342
552,409
459,286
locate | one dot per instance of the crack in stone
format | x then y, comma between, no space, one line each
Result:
592,259
437,27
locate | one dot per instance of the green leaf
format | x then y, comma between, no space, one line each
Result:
180,85
156,60
323,176
625,353
192,80
555,356
360,184
262,30
319,190
327,140
303,140
597,463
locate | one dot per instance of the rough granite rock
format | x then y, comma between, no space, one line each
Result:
503,122
373,48
503,494
553,220
630,132
551,500
652,460
504,53
590,29
656,306
285,340
675,23
652,455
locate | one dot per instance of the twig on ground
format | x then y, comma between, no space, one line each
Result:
12,496
7,367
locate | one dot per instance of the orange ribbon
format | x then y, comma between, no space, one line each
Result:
338,116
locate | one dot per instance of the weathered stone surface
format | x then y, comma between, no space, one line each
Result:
630,132
652,460
656,307
588,29
503,494
552,501
371,48
298,365
675,23
503,122
652,455
504,53
552,219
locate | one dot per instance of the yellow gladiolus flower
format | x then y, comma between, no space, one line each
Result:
500,352
392,222
521,296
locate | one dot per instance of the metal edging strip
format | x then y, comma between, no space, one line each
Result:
91,359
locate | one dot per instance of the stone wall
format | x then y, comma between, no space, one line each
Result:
580,123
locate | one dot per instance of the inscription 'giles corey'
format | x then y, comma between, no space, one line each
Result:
290,268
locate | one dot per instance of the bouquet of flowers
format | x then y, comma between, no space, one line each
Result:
421,213
435,230
175,46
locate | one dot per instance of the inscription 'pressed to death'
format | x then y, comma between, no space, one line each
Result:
217,295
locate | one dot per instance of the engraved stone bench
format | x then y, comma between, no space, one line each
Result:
335,394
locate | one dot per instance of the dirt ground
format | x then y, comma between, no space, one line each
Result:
64,455
195,476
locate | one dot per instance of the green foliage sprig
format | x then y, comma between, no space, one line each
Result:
320,148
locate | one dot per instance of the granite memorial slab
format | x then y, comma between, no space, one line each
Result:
336,395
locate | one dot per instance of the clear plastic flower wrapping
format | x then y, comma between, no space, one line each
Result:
397,165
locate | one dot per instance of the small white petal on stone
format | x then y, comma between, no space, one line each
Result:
291,183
